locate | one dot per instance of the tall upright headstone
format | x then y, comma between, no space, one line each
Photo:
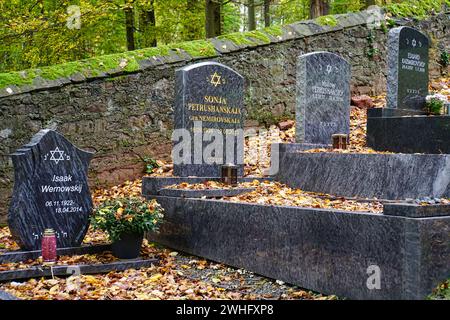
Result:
209,120
50,191
323,98
407,82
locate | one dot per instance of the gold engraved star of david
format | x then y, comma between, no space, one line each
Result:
216,79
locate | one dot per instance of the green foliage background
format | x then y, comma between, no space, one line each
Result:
33,33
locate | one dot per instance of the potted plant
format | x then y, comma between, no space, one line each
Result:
435,103
125,220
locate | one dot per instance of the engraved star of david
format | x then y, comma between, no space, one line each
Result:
60,156
216,79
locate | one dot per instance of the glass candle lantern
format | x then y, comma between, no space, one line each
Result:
230,174
49,246
340,141
446,109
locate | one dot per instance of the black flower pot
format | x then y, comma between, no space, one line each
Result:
128,247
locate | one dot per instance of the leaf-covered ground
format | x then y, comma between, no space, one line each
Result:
178,276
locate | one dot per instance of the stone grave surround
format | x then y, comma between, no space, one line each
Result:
50,191
209,119
407,82
323,98
404,126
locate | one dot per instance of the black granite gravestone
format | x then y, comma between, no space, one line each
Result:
209,120
50,191
407,83
323,97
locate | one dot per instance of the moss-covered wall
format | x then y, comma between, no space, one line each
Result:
121,105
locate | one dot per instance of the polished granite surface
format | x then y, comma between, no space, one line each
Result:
328,251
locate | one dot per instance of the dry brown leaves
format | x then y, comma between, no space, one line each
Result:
441,86
127,189
275,193
163,282
206,185
176,277
164,169
6,241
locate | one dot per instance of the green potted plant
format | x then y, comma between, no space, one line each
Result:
435,103
125,220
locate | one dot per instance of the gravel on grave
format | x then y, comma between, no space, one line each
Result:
178,276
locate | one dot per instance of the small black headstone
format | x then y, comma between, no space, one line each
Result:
323,97
407,83
50,191
209,120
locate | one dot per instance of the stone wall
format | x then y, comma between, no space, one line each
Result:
125,116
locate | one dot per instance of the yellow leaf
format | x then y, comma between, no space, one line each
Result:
153,278
215,280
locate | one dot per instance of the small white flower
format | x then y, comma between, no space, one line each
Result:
437,96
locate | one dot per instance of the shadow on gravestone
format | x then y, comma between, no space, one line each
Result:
323,97
50,191
209,120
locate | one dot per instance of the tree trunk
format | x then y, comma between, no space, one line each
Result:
368,3
213,24
251,15
129,23
266,13
191,29
318,8
147,24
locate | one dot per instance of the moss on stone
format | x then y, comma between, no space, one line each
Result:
237,38
159,51
328,20
126,61
197,48
245,38
415,8
259,35
16,78
274,30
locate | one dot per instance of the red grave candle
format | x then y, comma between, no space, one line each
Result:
49,246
